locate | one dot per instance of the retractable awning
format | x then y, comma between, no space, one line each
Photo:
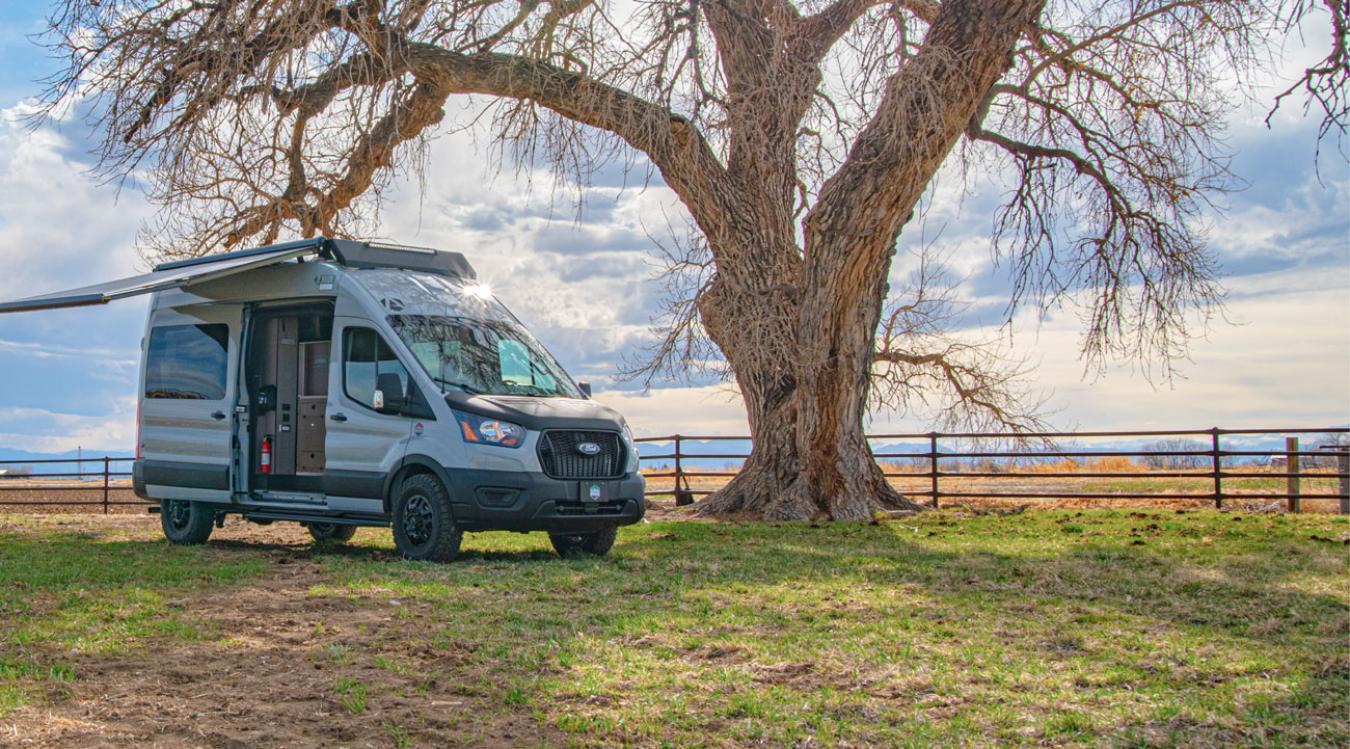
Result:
169,276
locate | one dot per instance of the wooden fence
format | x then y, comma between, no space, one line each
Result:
944,464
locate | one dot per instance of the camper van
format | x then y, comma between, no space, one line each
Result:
338,384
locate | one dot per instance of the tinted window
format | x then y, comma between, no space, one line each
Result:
187,362
365,356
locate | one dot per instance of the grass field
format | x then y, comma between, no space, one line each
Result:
1060,628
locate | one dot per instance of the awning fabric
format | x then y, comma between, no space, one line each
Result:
167,276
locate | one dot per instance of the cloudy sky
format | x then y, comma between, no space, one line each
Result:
586,285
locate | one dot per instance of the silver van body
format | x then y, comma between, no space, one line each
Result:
315,381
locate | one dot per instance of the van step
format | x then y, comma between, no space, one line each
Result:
301,517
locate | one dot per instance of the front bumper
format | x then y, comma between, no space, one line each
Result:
485,500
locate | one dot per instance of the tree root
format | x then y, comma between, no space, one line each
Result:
759,493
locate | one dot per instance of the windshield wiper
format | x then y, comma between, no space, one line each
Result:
470,389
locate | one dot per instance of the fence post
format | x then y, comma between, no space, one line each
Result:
1291,467
682,495
1218,468
105,484
933,466
1343,468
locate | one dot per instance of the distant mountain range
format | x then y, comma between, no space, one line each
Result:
7,455
691,449
1274,442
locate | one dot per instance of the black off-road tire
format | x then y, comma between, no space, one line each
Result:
424,527
332,532
186,523
596,544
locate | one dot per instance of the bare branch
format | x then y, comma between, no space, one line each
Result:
920,366
1325,85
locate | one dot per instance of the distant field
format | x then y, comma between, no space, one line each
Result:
1058,628
1031,479
16,488
1022,479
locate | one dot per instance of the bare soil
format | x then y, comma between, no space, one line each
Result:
270,681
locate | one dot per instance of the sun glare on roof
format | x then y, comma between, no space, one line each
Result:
479,291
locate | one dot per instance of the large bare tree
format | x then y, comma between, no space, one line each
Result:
800,135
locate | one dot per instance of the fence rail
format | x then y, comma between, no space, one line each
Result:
937,465
942,468
42,487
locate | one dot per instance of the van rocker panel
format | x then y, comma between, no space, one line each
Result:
179,474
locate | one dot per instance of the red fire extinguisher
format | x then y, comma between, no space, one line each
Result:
265,460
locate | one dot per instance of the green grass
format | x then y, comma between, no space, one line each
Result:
1058,627
1055,628
351,694
70,593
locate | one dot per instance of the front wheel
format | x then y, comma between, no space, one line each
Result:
331,532
597,544
186,523
424,528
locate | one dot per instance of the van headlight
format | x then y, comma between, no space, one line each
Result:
482,430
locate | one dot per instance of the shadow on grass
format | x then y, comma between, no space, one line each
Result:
1187,622
1147,630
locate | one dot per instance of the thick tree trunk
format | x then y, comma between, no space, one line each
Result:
809,458
799,335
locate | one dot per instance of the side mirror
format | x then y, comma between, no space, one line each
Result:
388,397
585,388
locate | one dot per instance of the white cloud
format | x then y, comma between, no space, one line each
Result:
712,409
41,430
59,227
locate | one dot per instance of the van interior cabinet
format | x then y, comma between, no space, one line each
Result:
313,406
284,375
288,376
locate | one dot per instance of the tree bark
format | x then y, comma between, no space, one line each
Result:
803,357
809,456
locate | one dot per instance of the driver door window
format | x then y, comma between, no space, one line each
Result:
366,356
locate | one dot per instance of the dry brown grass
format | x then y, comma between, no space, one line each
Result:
1037,481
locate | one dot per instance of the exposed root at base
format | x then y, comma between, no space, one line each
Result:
758,492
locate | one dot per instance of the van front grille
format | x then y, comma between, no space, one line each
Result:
560,458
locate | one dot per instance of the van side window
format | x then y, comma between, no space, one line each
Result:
187,362
365,356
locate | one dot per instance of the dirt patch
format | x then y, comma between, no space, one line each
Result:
285,669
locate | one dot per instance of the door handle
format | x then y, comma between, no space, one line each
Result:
339,417
218,415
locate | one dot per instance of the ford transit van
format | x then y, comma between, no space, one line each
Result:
338,384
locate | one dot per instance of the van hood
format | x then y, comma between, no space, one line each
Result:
540,413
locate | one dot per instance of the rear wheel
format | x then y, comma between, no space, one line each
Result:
331,532
597,544
424,528
186,523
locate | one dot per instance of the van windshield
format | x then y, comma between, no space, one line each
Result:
488,357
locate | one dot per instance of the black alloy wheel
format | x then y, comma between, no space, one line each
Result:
186,523
424,526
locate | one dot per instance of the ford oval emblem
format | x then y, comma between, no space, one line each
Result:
588,448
